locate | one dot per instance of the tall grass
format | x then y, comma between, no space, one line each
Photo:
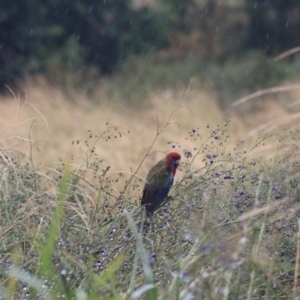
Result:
70,198
230,231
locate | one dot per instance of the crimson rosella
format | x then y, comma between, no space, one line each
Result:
159,181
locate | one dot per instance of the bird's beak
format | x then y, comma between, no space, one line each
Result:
177,162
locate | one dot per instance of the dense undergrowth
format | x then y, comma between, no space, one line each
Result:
228,80
231,230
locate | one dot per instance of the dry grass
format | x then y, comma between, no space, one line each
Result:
212,241
56,122
51,126
50,119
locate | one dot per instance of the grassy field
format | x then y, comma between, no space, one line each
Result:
73,165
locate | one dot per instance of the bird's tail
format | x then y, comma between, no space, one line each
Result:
144,224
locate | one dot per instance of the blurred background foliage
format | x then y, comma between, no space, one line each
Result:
94,38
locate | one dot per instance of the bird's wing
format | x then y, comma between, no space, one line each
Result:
155,191
152,199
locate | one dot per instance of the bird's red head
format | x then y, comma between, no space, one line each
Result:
173,161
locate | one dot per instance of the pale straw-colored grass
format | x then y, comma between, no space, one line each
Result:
51,119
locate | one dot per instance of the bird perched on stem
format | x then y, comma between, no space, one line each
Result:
159,181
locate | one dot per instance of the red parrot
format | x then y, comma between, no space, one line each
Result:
159,181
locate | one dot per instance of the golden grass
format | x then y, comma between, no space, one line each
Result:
52,119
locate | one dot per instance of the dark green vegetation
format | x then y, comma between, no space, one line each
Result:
50,36
231,232
228,80
96,37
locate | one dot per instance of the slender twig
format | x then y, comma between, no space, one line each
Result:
295,285
273,90
287,53
158,132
